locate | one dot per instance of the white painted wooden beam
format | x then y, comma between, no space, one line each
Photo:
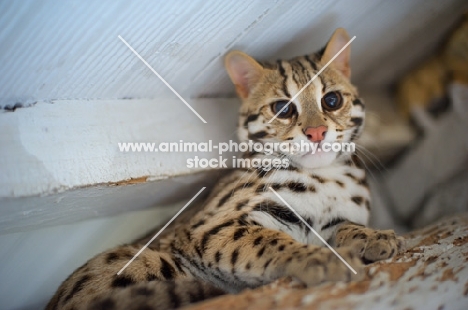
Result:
50,149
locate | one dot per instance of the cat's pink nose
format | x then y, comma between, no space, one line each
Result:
316,134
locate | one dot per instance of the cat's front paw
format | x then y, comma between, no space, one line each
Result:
325,266
372,245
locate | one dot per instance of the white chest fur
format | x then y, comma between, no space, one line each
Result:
334,192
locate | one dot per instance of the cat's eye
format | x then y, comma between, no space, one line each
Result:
287,112
332,101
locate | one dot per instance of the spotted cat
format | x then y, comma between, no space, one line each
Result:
243,235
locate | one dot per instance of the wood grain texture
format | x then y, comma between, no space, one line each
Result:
70,50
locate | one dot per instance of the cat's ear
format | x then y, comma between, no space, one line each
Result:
337,41
244,72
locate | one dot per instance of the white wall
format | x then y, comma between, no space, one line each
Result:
52,49
33,264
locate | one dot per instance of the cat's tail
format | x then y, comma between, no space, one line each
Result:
157,295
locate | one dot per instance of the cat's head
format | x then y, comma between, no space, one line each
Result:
327,110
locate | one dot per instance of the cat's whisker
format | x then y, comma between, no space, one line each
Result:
372,141
364,149
241,179
374,114
366,167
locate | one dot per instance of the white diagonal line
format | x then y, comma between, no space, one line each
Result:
161,78
160,231
312,79
313,230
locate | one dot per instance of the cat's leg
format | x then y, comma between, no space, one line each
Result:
373,245
166,295
99,275
235,257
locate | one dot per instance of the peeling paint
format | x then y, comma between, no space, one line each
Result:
130,181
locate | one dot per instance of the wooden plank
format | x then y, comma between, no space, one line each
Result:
60,163
50,148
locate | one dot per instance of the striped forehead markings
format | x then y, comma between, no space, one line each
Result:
318,93
282,72
313,78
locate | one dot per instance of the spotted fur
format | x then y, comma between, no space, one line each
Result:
243,236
